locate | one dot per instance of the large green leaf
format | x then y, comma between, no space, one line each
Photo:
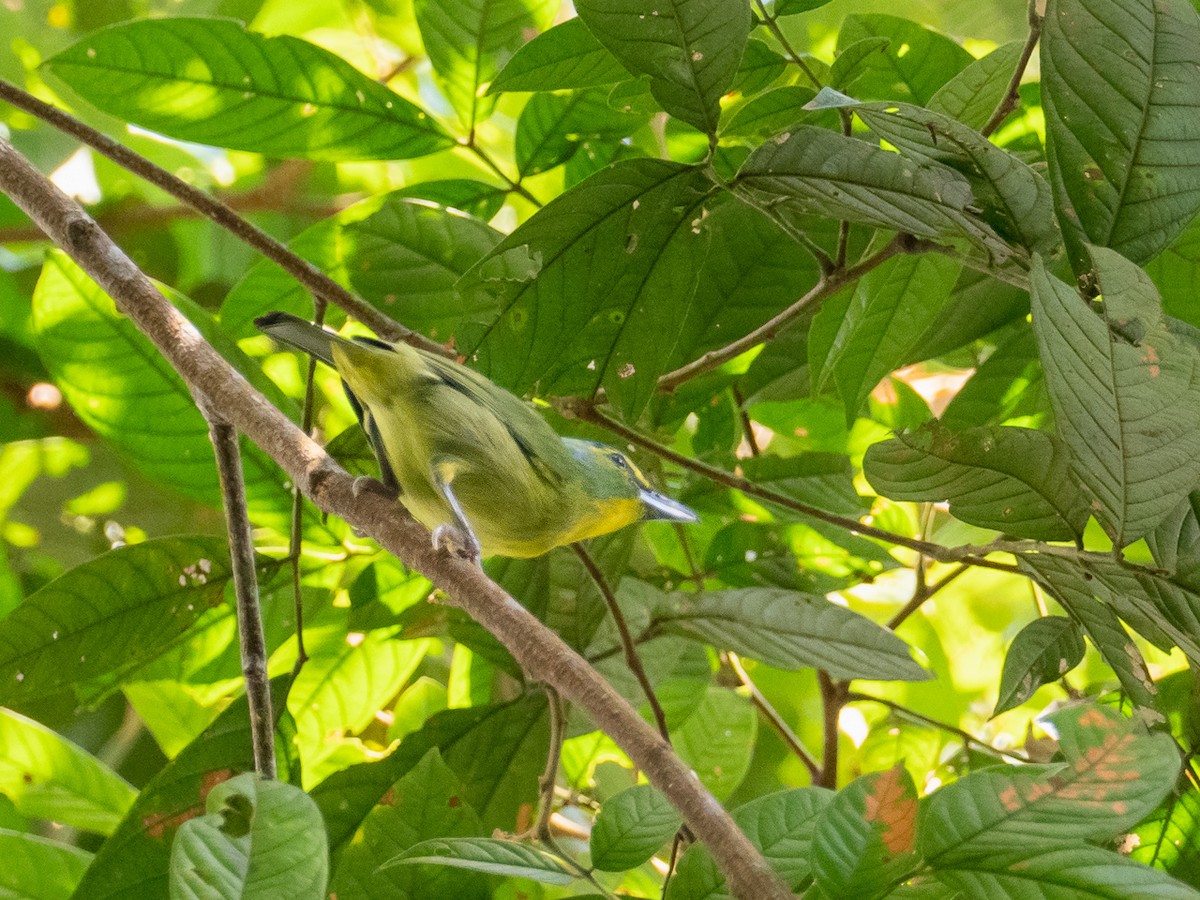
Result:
828,174
39,869
689,48
109,615
792,630
631,827
1042,652
1013,480
120,386
567,56
212,82
1113,775
973,94
916,63
1067,583
1077,873
426,803
1121,91
876,333
1170,838
48,777
258,839
552,127
1125,393
780,825
133,863
718,739
469,41
865,839
1015,199
593,287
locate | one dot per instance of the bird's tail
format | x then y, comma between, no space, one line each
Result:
300,334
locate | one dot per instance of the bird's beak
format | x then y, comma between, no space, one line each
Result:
660,506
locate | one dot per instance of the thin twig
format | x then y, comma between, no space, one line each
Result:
922,592
581,409
769,21
922,719
744,417
774,719
831,284
549,778
302,270
676,844
541,654
515,186
1012,96
245,583
628,645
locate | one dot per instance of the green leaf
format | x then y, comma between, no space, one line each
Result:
847,66
690,49
39,869
259,838
759,68
823,480
496,751
406,258
1114,775
1008,385
889,310
780,825
1125,392
133,863
553,126
109,615
915,64
594,285
1075,873
631,827
1042,652
212,82
426,803
865,838
978,305
973,94
1012,480
496,857
48,777
1169,838
567,56
470,41
1067,583
1176,274
792,630
718,739
1015,199
770,113
119,385
828,174
1121,92
794,7
345,682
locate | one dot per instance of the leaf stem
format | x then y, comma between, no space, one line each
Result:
923,592
515,186
772,26
628,645
301,269
1012,96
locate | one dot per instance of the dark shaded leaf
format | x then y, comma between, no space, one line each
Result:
1042,652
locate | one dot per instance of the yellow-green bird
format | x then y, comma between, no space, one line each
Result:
473,463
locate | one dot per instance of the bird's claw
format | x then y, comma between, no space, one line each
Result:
365,484
450,538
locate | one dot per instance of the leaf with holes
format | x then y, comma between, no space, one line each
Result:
1042,652
1114,775
1125,393
213,82
1121,90
470,41
689,48
865,838
1013,480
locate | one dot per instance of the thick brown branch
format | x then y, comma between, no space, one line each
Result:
302,270
542,655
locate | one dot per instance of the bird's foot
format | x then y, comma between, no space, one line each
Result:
365,484
450,538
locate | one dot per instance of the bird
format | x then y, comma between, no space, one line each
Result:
475,464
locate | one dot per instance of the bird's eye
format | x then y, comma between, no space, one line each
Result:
618,460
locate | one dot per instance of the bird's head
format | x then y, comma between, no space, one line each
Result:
619,490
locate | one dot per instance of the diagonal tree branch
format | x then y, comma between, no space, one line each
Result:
542,655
